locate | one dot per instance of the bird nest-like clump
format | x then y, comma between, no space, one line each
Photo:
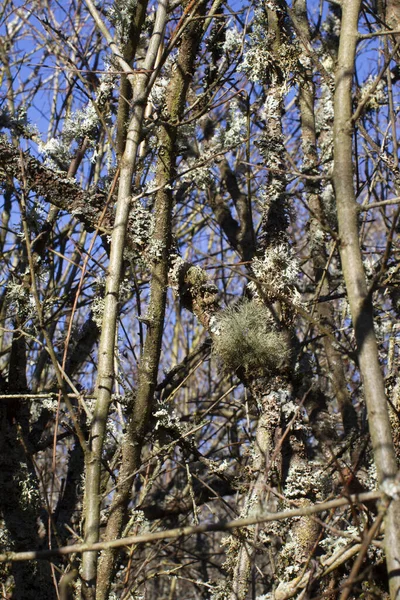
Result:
246,336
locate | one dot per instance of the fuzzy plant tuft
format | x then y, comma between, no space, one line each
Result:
245,336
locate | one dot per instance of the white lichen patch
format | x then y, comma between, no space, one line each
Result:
20,301
50,404
98,303
277,273
233,39
166,417
120,14
235,131
262,62
29,493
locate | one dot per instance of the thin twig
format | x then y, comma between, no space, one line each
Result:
190,530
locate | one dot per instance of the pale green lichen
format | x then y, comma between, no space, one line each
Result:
97,305
246,337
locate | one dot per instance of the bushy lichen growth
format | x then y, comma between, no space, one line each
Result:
246,337
270,54
81,124
20,302
277,271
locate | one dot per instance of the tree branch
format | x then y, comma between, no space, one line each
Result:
305,511
357,291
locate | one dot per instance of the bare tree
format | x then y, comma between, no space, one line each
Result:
199,390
